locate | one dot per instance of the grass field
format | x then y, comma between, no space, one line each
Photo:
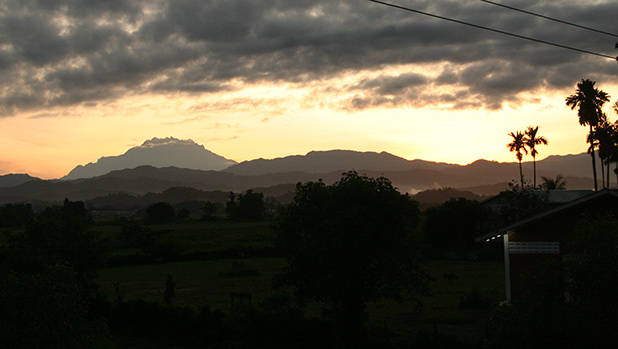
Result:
197,282
200,236
211,282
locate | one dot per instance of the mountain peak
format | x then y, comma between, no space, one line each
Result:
156,152
167,141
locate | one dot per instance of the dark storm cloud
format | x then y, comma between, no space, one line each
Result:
73,52
391,85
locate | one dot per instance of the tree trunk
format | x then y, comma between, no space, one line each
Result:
607,169
534,166
594,163
602,172
521,176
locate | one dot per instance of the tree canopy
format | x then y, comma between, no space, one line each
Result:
455,223
160,213
350,243
247,206
589,102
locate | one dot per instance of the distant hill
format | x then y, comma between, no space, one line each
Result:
157,152
323,161
145,179
444,174
11,180
481,177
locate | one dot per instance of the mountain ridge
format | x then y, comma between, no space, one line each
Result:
322,161
159,152
411,176
13,179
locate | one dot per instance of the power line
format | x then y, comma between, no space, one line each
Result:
496,30
550,18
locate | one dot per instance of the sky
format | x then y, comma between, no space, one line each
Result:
81,79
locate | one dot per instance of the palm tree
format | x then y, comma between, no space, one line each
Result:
589,101
554,184
604,134
615,144
518,145
613,151
532,141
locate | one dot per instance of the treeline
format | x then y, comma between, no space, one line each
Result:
248,206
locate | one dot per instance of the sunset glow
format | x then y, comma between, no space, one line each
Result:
366,101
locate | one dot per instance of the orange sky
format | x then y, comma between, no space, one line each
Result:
250,79
251,123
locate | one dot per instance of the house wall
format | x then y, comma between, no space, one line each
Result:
530,271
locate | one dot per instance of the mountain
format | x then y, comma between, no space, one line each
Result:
11,180
157,152
324,161
576,165
145,179
481,177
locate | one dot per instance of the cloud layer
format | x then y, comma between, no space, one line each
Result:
83,52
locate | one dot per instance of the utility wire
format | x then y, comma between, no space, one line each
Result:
550,18
495,30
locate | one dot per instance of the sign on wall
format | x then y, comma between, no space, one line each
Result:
534,247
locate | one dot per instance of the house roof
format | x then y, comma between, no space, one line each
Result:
553,196
548,213
564,196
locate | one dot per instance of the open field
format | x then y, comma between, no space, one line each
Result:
199,236
197,282
211,282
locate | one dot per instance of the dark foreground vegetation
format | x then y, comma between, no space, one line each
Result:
348,265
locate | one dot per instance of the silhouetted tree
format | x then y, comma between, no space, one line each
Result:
47,283
589,100
209,211
520,204
455,223
558,183
532,140
160,213
614,151
518,145
57,235
247,206
350,243
605,136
